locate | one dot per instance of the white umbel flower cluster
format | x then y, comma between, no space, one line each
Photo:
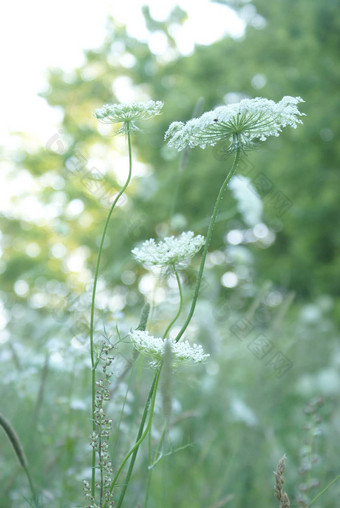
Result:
237,124
171,251
154,347
128,113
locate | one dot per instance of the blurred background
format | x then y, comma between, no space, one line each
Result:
269,309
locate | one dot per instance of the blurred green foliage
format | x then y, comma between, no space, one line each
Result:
238,416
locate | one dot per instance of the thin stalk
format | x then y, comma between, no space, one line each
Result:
164,335
151,396
324,490
32,488
141,326
93,359
153,462
208,240
101,470
180,304
148,482
153,390
19,452
164,428
140,438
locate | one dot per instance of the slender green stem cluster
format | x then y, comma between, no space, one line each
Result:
236,126
151,396
94,359
154,386
149,409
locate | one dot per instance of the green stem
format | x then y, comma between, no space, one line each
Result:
101,469
30,482
152,463
153,390
324,490
180,304
148,482
140,438
163,431
93,359
151,396
208,240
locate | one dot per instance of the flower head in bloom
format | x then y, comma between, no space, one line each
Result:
155,347
169,252
236,124
128,113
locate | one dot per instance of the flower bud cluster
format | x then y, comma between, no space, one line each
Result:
88,496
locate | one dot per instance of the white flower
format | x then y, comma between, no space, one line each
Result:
181,352
248,201
169,252
238,124
128,113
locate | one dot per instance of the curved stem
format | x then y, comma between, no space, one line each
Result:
208,240
180,304
140,438
93,359
30,482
